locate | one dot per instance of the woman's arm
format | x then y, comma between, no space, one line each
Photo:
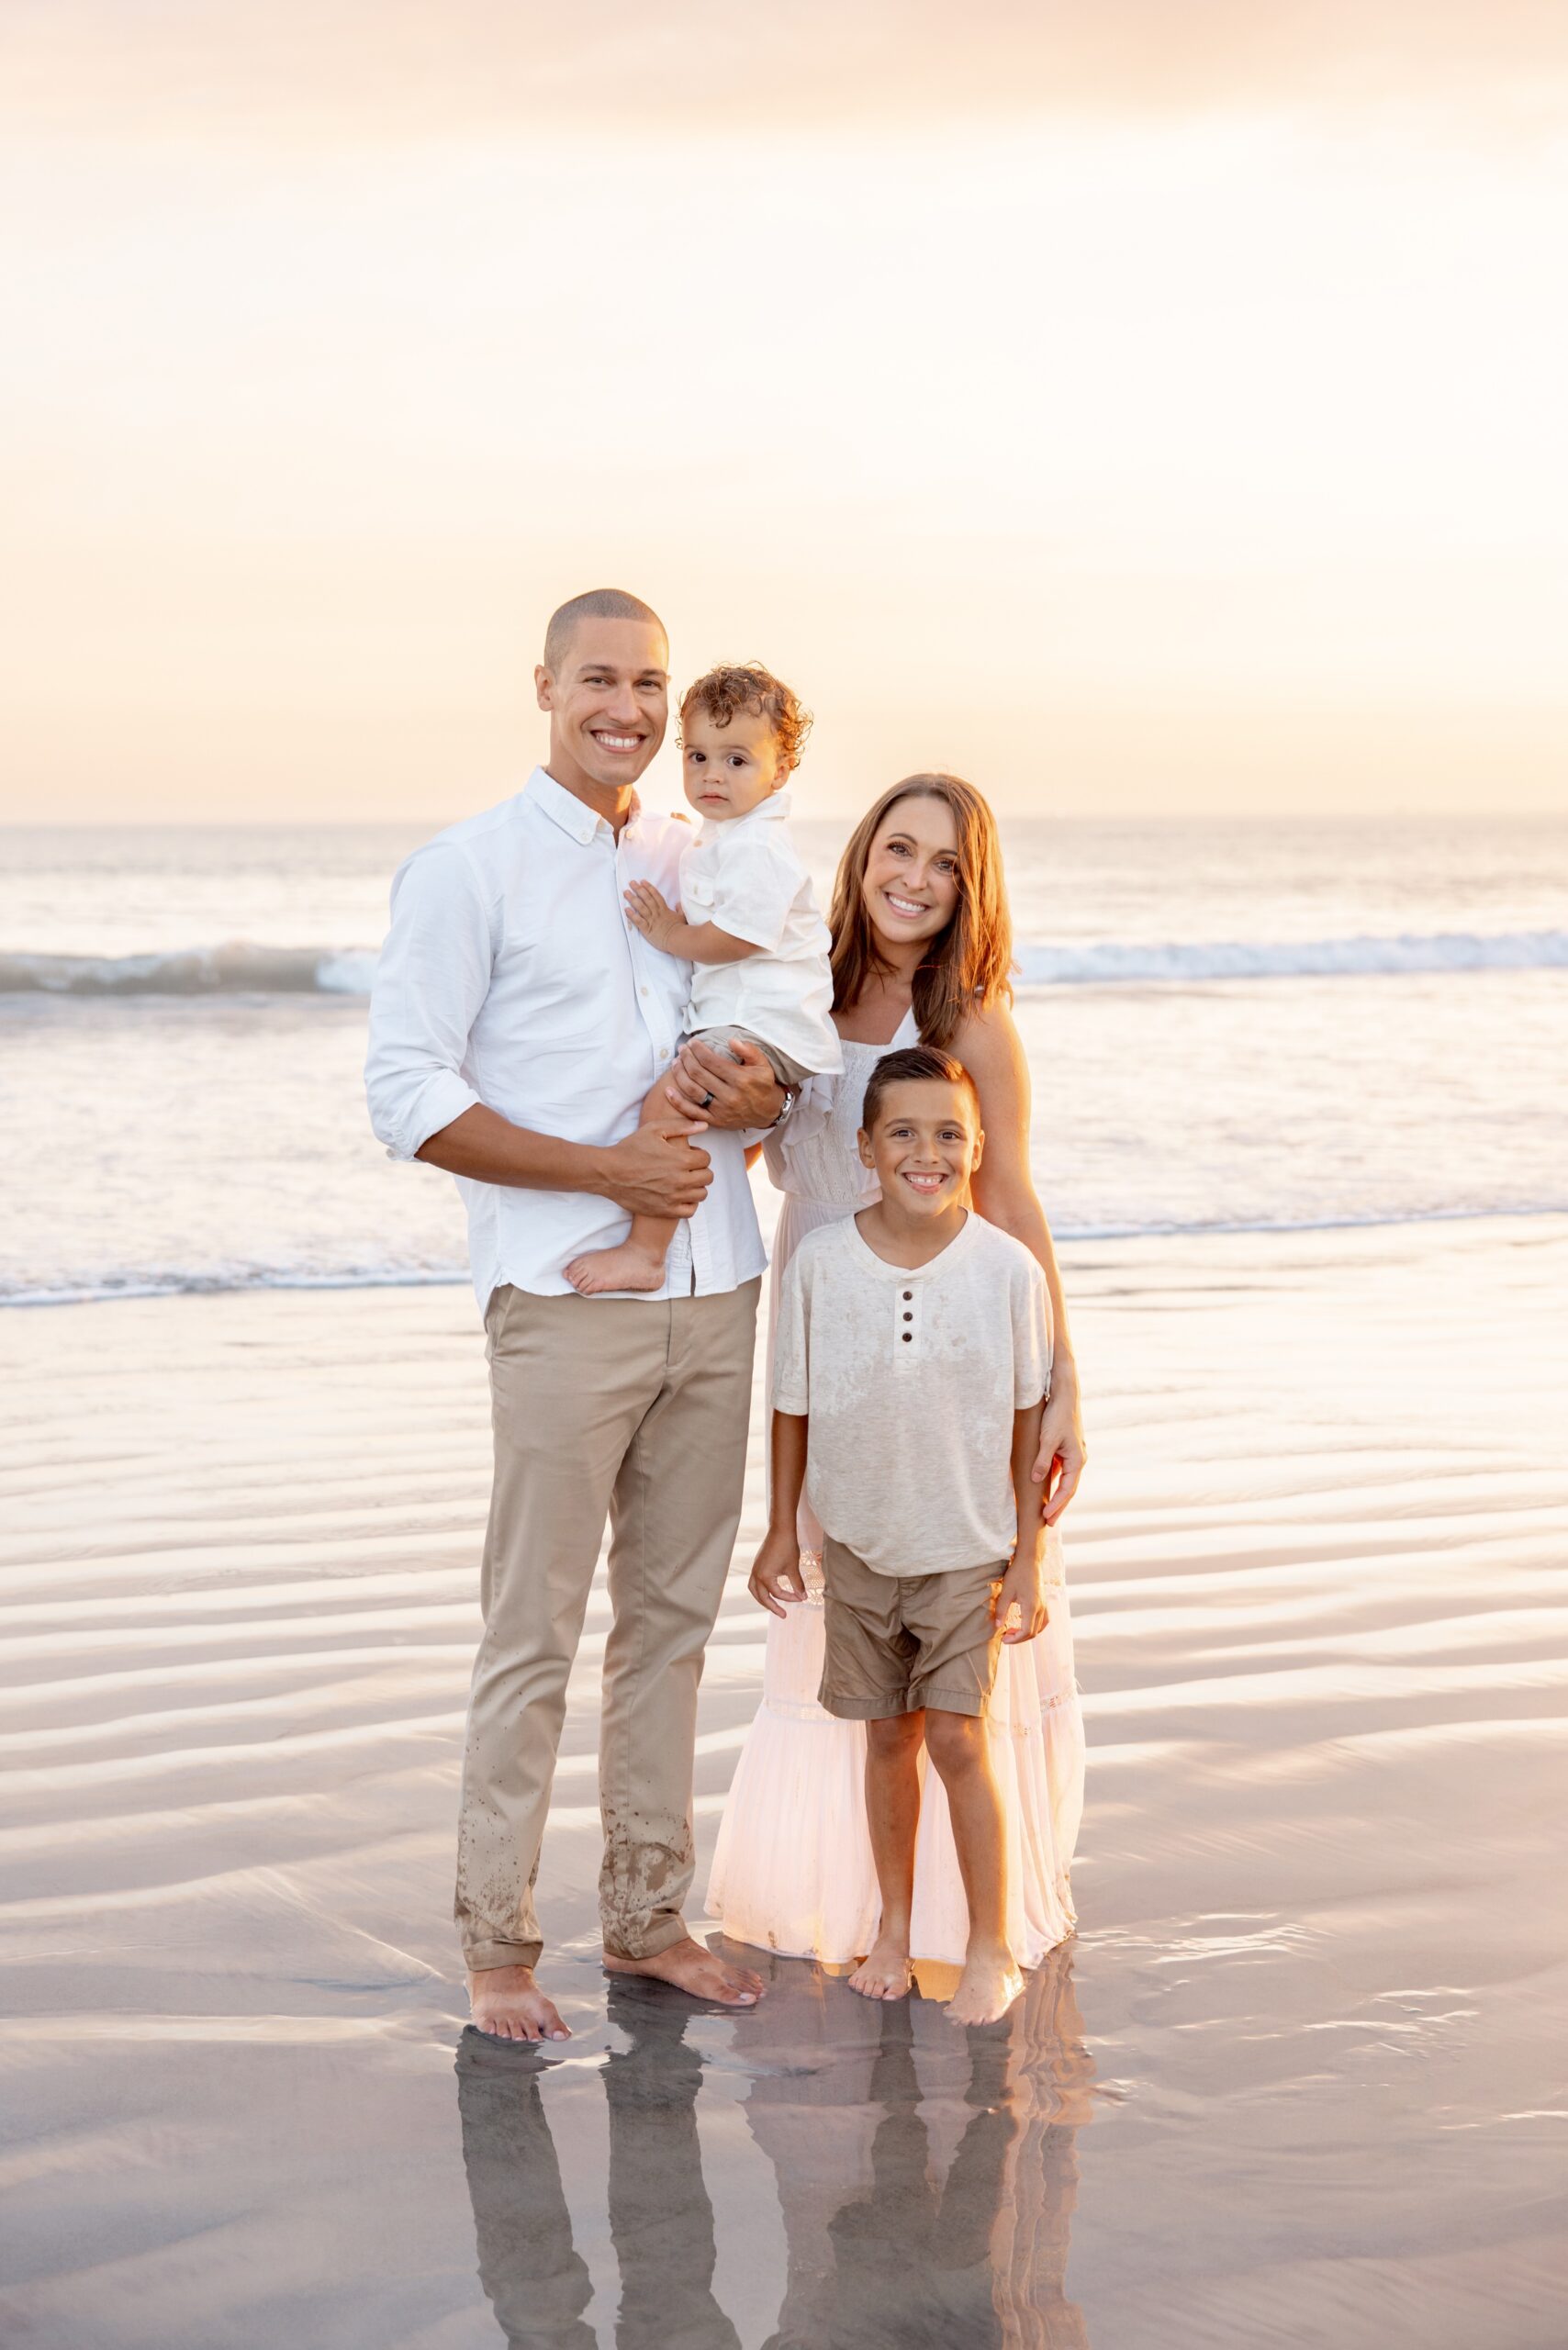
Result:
991,1050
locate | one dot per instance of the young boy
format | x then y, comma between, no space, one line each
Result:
911,1364
748,920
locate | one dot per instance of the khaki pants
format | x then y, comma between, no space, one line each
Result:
637,1408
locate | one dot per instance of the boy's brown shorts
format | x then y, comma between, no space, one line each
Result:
896,1643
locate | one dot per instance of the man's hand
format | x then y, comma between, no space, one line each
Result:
1059,1462
775,1581
660,922
1022,1586
735,1088
656,1171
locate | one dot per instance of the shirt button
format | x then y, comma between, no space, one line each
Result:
642,991
907,1295
906,1337
909,1317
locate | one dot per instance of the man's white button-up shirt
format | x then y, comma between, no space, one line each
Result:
512,976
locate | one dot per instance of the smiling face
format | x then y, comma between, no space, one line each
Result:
911,886
728,770
925,1146
608,697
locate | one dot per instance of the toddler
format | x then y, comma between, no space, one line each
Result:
911,1367
748,920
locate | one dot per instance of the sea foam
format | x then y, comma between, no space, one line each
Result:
240,968
1109,963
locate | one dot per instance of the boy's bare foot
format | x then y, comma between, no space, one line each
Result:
627,1267
691,1966
506,2002
884,1973
987,1988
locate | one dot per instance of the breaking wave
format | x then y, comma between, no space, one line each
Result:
238,969
1364,958
243,969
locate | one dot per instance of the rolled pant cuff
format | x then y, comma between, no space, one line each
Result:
662,1934
477,1956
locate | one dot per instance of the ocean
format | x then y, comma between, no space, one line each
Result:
1230,1026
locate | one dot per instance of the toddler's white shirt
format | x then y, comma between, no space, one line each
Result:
746,875
910,1379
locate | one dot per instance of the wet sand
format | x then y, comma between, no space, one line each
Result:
1299,2079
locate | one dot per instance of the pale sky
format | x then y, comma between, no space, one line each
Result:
1140,408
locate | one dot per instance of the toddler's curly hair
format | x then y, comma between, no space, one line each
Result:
746,685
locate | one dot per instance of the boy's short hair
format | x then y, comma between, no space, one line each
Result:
746,685
916,1063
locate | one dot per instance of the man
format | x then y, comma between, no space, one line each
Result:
516,1023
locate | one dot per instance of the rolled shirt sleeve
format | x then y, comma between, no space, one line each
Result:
432,979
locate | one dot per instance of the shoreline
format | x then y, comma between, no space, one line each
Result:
1068,1237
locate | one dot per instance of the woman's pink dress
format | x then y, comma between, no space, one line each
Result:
793,1871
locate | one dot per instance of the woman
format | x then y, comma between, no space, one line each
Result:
922,952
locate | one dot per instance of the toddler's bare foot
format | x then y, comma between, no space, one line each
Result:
884,1972
691,1966
506,2002
628,1266
989,1985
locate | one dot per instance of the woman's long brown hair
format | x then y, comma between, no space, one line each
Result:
969,964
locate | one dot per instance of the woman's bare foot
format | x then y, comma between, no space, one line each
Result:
506,2002
884,1973
628,1266
989,1985
691,1966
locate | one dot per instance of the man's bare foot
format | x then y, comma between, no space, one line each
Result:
989,1985
691,1966
628,1266
884,1973
506,2002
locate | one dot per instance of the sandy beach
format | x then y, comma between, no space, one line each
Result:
1298,2080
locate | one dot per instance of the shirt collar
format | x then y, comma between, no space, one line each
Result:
564,807
865,1256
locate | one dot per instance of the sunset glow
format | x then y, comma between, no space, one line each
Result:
1184,441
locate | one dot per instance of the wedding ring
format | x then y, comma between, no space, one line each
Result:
708,1100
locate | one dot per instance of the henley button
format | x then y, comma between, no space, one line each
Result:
909,1317
907,1295
906,1339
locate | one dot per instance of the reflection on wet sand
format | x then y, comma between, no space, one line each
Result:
925,2175
535,2279
660,2219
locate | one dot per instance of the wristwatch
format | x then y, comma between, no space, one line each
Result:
791,1095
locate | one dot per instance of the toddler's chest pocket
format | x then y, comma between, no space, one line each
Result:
696,891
